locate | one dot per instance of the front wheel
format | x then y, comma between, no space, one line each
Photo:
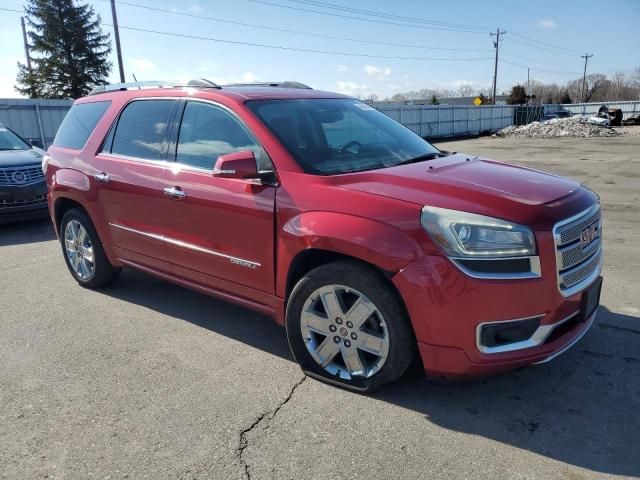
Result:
346,326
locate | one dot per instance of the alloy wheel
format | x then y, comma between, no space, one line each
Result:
79,250
344,332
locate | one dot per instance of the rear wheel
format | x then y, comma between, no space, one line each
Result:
345,325
83,252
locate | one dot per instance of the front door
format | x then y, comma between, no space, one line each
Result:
218,232
128,175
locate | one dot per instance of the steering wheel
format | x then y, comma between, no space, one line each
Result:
352,147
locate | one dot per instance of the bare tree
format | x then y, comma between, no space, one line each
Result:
635,77
466,90
598,88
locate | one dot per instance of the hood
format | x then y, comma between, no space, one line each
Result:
20,158
463,182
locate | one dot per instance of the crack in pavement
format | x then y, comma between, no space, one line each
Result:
267,416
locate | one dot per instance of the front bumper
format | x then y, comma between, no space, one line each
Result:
23,202
446,307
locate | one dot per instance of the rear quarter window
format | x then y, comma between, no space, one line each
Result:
79,123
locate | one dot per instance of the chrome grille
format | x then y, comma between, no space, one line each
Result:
575,254
576,275
571,231
23,203
21,175
578,266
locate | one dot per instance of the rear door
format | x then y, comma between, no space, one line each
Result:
128,172
219,231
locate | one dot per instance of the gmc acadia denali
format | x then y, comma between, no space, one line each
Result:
369,245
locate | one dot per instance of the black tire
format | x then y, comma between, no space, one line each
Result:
370,282
103,272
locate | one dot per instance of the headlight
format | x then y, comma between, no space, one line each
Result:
45,163
463,234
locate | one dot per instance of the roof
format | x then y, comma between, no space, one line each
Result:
267,93
203,88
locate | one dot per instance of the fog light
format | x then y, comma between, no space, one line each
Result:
503,333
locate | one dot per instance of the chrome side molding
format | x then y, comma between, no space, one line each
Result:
190,246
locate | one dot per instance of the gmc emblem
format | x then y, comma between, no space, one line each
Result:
588,234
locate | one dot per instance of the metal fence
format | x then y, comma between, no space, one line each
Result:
37,120
440,121
628,108
437,121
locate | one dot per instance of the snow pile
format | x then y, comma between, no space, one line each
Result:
558,127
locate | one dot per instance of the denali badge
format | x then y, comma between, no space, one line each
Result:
243,263
588,234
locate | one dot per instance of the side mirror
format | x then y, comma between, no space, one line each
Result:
240,165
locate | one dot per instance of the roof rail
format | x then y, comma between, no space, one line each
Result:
195,83
285,84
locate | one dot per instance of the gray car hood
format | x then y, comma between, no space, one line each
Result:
20,158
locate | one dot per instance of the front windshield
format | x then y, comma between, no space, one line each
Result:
333,136
10,141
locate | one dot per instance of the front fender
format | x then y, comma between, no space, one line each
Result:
377,243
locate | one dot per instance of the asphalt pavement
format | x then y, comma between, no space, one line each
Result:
149,380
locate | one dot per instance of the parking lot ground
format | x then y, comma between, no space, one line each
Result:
149,380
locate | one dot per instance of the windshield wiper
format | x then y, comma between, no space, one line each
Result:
422,158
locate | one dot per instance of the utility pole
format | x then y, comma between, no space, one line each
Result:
584,76
496,44
528,88
26,44
117,36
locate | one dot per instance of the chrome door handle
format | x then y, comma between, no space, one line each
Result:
102,177
174,192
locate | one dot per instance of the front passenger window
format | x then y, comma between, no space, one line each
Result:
207,132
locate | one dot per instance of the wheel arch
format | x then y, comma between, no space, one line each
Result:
61,206
314,238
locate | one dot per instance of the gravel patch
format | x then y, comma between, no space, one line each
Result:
558,127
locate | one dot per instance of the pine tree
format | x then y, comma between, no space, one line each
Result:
434,100
518,95
566,98
69,51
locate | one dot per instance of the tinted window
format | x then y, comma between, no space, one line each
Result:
11,141
141,129
79,123
333,136
207,132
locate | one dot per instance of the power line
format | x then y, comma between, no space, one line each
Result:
423,27
11,10
526,59
333,6
539,69
297,32
568,50
295,49
457,26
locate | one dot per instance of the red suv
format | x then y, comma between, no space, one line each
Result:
368,243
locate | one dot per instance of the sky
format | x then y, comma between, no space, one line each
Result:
388,54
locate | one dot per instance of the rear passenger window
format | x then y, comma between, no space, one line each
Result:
79,123
141,129
207,132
